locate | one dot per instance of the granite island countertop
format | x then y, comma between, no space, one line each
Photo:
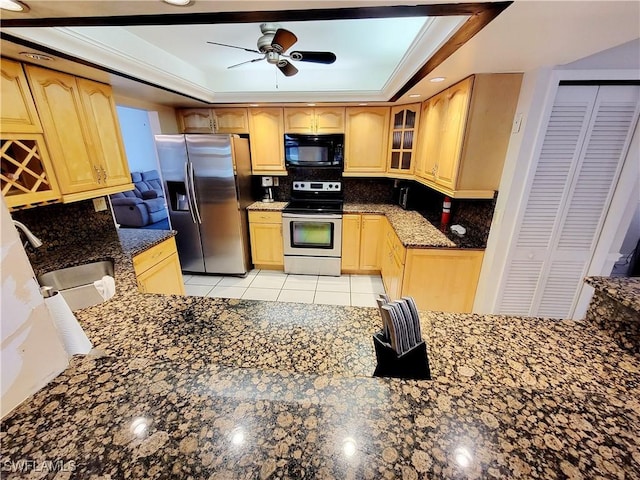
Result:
625,290
192,387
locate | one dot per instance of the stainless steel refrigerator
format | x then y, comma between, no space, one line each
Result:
207,181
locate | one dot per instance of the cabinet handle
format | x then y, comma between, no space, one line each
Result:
95,167
104,174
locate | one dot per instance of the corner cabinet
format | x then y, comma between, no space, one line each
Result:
314,120
219,120
265,232
266,138
366,140
82,133
158,269
402,139
27,176
464,134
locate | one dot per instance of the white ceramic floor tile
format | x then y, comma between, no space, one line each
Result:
333,284
227,292
332,298
268,281
236,281
261,294
299,296
272,274
203,280
366,284
197,290
301,282
186,277
364,299
253,273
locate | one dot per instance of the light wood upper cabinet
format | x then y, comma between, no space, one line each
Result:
430,131
82,132
231,120
314,120
195,120
266,127
402,140
464,135
366,139
207,120
104,132
58,101
18,113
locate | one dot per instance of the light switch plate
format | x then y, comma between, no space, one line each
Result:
99,204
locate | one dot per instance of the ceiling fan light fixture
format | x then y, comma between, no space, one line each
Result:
179,3
13,6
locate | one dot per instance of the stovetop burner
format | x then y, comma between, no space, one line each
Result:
315,197
314,206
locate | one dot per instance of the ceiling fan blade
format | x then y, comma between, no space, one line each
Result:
248,61
315,57
283,39
288,69
233,46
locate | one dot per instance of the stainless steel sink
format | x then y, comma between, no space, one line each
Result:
76,283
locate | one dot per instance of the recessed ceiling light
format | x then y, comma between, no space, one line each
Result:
414,95
311,104
36,56
363,104
437,79
254,104
179,3
13,5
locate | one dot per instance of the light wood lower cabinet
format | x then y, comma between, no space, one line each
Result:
442,279
265,232
158,269
392,262
361,242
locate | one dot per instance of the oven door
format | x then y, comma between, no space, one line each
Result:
315,235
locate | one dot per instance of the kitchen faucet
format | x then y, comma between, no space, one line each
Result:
31,238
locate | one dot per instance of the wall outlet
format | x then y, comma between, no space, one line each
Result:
99,204
276,181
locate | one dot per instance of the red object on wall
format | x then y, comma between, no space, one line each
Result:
446,214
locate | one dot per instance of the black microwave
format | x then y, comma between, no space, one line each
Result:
302,150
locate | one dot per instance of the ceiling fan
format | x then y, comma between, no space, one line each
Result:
272,45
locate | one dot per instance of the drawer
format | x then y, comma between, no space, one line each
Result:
147,259
265,217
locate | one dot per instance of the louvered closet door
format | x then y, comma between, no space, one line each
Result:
583,151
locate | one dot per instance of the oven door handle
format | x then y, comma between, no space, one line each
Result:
312,216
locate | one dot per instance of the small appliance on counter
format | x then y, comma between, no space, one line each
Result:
267,183
403,198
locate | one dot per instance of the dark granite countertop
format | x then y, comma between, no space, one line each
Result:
625,290
192,387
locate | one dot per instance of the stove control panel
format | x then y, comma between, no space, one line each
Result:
317,186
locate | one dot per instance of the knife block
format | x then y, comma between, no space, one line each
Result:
412,364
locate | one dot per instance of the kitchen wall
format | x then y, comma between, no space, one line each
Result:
138,139
32,353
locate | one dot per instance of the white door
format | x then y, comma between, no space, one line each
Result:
583,151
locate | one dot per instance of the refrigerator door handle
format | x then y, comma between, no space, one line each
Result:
193,192
188,191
